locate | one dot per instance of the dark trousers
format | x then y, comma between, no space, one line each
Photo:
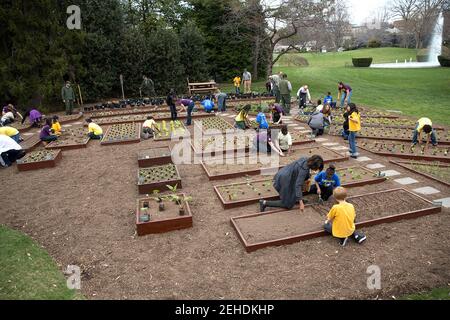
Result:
276,92
275,204
94,136
328,227
327,192
302,102
317,132
189,114
173,112
49,138
286,102
11,156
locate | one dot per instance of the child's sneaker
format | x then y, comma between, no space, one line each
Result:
360,238
343,242
262,206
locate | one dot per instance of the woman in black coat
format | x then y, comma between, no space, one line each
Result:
289,183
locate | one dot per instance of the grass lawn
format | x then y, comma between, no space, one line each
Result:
415,92
28,272
435,294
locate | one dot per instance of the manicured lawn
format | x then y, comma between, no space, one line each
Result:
415,92
435,294
28,272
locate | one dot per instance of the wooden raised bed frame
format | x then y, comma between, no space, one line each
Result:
228,204
339,158
402,164
163,225
145,162
40,164
250,247
137,139
408,156
160,185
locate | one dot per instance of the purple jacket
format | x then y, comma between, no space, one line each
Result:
45,132
34,115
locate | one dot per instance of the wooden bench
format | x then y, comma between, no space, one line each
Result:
202,87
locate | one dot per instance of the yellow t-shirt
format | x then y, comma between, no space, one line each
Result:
352,126
149,123
241,116
95,128
237,81
56,127
422,123
9,131
342,216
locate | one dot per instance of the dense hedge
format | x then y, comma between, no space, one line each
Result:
362,62
444,61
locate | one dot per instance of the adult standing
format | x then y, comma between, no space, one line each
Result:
68,97
10,151
285,92
345,93
147,87
247,81
289,183
188,106
171,103
276,79
303,95
221,98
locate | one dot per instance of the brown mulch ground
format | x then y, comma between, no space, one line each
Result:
83,213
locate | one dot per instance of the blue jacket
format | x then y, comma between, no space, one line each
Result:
322,180
208,104
262,121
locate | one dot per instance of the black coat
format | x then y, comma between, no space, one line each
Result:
289,182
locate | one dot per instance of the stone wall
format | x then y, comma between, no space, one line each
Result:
446,35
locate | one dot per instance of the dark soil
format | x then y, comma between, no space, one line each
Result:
269,227
171,209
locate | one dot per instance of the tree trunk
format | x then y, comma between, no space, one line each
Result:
256,57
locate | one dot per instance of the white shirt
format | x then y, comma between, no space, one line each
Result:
247,76
319,108
285,141
302,90
7,143
8,115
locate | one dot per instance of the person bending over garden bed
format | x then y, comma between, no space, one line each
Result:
95,131
289,182
10,151
263,143
341,219
241,121
424,125
149,128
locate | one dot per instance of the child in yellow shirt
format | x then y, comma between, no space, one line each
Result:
341,219
56,126
354,124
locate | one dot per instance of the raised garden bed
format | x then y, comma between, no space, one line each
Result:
436,171
406,150
276,228
70,118
39,160
162,214
154,157
392,134
29,144
21,127
169,130
122,134
253,165
129,111
71,138
214,123
251,191
142,117
158,178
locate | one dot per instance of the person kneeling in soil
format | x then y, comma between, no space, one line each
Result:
149,128
208,105
47,135
12,133
261,119
284,140
316,123
263,143
56,126
95,131
325,183
289,183
241,121
341,219
425,125
277,113
10,151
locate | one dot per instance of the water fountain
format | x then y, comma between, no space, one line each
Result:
435,49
